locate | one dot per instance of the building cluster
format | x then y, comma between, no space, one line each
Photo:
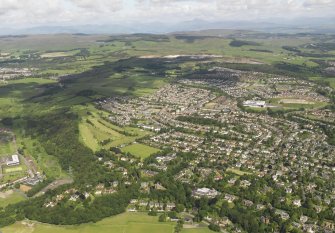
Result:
12,73
190,117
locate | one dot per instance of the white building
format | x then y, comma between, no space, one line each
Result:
254,103
13,161
205,192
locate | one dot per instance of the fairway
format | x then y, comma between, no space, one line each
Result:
124,223
94,130
140,150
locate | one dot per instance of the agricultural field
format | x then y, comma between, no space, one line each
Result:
196,230
140,150
124,223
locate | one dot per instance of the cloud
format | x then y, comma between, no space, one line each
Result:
44,12
99,5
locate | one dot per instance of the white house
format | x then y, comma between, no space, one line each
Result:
13,161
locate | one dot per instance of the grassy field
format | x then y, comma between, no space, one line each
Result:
124,223
330,80
31,81
6,148
13,169
94,129
10,197
200,230
140,150
296,103
238,172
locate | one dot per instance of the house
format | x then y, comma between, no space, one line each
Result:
13,161
297,202
205,192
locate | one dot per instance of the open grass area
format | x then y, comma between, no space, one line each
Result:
140,150
331,81
124,223
10,197
238,172
59,54
31,81
196,230
6,148
13,169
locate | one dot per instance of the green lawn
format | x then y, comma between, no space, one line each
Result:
13,169
6,199
140,150
199,230
6,149
238,172
124,223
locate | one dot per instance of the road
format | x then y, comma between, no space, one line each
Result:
55,184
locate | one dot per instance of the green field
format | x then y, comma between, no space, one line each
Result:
200,230
31,81
94,129
13,169
124,223
140,150
6,148
10,198
331,81
238,172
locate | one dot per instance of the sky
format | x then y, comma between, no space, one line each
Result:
29,13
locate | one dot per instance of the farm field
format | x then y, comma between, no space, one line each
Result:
194,230
124,223
140,150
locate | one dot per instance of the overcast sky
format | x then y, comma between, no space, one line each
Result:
27,13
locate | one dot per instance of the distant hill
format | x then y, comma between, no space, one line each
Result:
312,25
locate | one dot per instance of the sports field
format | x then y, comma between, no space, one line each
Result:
13,169
140,150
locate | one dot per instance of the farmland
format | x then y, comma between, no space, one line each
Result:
125,223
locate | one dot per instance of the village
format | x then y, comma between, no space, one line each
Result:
245,146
